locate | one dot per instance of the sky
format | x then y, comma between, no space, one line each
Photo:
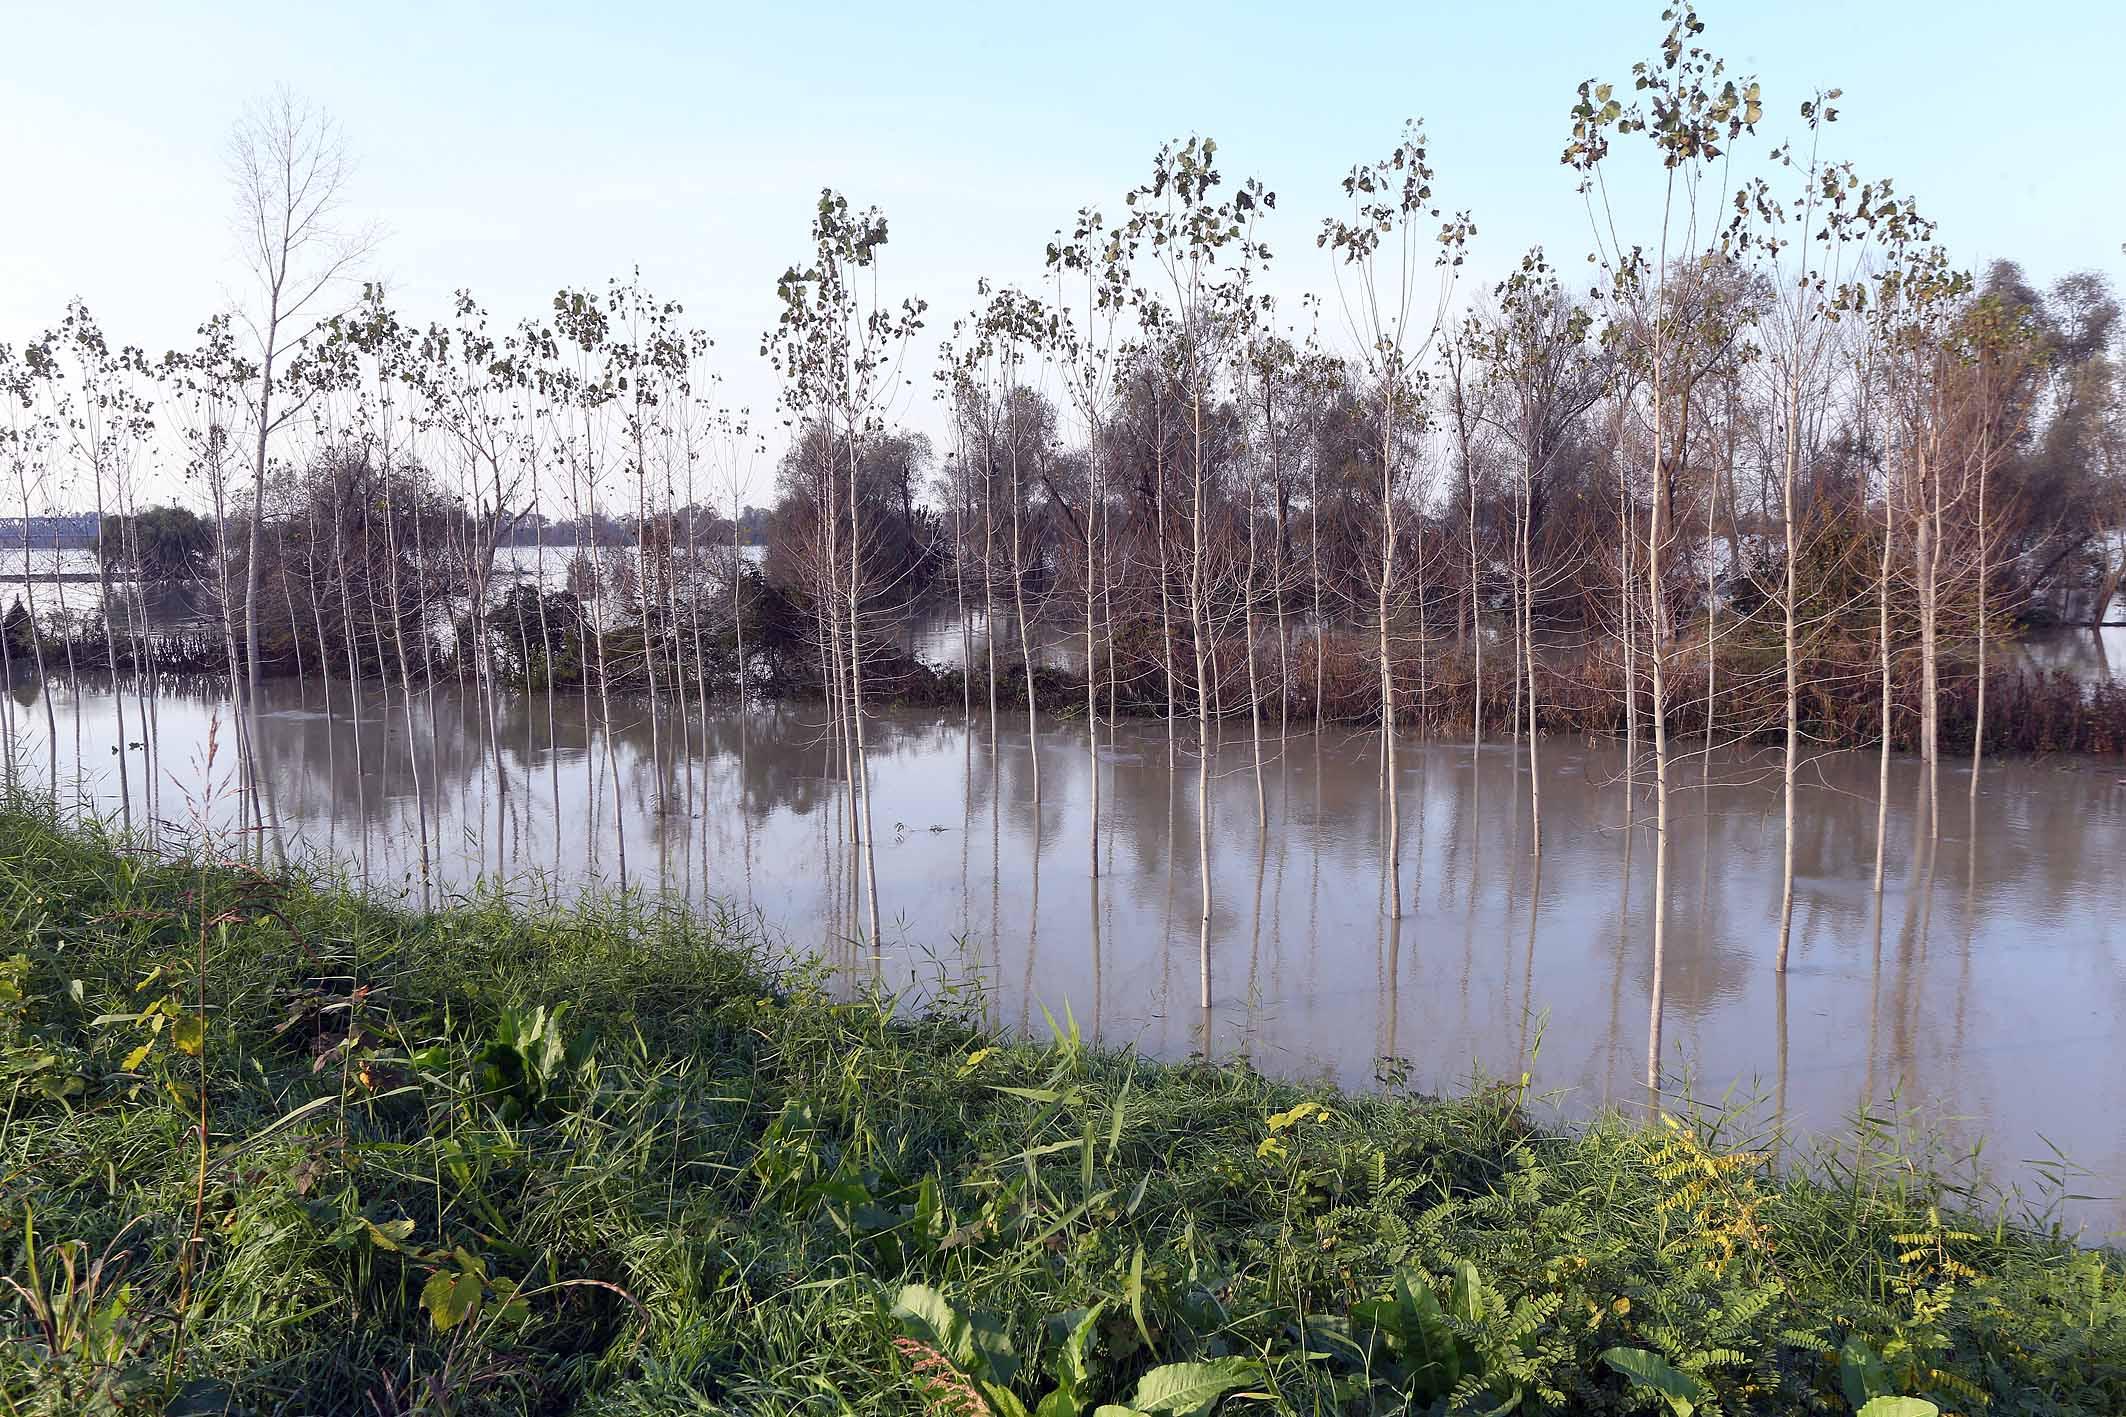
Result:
515,149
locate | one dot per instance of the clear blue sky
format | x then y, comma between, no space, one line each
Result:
515,148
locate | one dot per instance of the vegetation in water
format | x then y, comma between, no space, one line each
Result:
268,1147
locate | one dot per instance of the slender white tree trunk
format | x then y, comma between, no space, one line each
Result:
1390,777
1476,612
1978,723
1882,640
1788,607
1657,635
1093,502
862,767
1527,599
1018,597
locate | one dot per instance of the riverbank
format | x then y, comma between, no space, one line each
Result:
615,1160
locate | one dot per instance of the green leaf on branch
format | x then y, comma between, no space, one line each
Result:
1185,1389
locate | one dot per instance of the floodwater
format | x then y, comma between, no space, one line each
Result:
1983,988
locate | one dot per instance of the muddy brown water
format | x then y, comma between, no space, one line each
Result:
1982,991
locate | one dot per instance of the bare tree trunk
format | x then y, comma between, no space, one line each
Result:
1279,533
228,629
1793,666
73,671
398,639
269,335
862,768
738,627
1527,610
1262,808
110,649
7,687
959,590
2107,588
831,598
1390,782
989,587
354,672
1166,615
317,607
1201,633
589,627
1094,499
1926,553
1321,624
645,599
1107,608
1627,533
605,677
546,644
1657,634
295,638
1712,596
1978,724
1476,621
146,666
1018,597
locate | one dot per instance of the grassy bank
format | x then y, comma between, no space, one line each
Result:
609,1161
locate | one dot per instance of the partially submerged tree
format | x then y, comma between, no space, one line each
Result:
289,167
1691,113
838,346
1394,223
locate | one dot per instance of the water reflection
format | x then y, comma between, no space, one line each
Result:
1984,984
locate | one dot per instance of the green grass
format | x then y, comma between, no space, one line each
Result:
707,1185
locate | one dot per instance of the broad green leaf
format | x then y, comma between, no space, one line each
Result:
1431,1352
1899,1407
1068,1364
189,1034
435,1296
992,1344
930,1318
450,1296
1001,1399
1862,1374
1185,1389
1466,1300
1652,1371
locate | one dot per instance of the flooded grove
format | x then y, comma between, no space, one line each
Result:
1984,987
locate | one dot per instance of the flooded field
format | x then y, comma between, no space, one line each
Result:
1982,987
